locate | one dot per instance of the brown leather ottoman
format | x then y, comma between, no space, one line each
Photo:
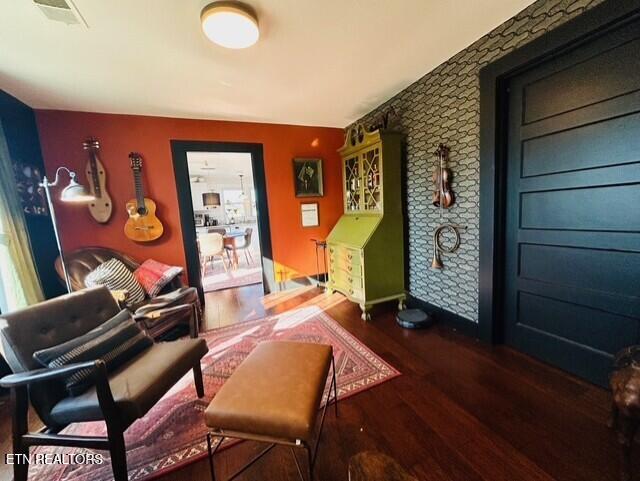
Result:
274,396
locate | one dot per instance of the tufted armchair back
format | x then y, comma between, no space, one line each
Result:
82,261
49,323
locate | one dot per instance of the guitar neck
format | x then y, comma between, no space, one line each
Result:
137,179
95,179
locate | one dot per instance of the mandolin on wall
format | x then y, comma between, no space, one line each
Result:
101,207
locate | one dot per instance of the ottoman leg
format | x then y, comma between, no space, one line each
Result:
211,453
310,463
309,476
335,385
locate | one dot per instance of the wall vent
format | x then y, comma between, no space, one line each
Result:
63,11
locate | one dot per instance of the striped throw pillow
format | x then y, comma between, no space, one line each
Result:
115,342
115,276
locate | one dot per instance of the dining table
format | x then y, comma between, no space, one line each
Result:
230,242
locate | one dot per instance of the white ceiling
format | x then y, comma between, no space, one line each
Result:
221,167
318,62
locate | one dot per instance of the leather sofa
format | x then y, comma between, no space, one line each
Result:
175,305
119,397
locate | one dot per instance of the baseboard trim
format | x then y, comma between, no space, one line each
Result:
443,316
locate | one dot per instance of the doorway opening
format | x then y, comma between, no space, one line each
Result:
225,217
224,214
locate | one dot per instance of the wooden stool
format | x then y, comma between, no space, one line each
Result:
625,407
274,397
372,466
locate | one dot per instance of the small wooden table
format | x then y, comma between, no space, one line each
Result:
373,466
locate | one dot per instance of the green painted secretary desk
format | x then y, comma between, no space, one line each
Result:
366,247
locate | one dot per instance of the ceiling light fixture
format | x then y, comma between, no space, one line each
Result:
230,24
243,196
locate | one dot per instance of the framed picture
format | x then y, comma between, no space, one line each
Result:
307,177
28,179
309,214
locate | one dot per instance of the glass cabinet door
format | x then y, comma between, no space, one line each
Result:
352,187
372,180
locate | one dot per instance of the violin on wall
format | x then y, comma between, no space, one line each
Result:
443,196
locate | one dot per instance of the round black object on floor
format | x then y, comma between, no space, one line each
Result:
414,319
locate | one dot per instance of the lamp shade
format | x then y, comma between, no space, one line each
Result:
211,199
75,193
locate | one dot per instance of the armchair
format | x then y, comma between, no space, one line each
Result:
118,398
176,304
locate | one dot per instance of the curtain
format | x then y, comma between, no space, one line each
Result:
19,282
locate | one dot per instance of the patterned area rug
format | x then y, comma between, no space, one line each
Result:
243,276
171,435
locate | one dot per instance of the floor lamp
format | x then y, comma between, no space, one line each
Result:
74,193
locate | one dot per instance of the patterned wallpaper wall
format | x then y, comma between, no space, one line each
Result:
444,106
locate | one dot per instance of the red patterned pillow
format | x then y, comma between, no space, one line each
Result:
154,275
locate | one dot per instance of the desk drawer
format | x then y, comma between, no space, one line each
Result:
347,278
346,268
346,259
353,256
352,290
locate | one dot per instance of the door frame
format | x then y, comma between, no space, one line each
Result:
179,150
494,118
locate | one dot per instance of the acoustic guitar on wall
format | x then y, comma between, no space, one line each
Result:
101,207
142,225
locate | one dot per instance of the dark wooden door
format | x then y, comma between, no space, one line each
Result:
572,266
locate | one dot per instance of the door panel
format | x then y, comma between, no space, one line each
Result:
614,273
581,324
587,208
547,96
572,233
610,142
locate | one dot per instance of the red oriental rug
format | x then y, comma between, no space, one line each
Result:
172,434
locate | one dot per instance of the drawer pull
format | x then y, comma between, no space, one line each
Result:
349,268
350,280
331,250
349,257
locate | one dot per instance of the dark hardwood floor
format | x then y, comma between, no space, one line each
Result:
461,411
229,306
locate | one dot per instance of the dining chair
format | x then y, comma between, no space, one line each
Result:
212,246
246,246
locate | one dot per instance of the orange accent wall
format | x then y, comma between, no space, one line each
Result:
62,134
